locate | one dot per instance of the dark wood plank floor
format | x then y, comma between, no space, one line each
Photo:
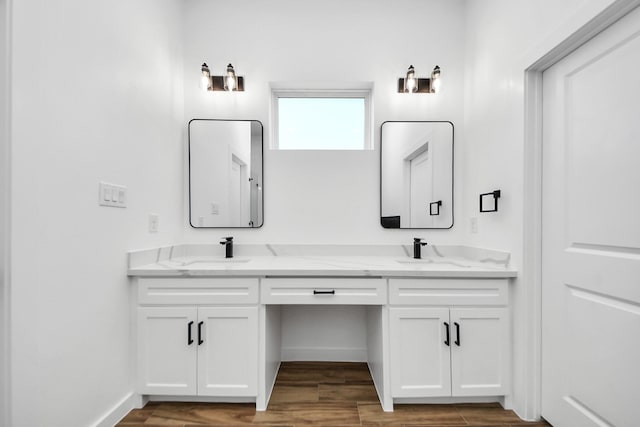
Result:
322,394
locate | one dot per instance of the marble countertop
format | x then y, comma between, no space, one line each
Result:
320,260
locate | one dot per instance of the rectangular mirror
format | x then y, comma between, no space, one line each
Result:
225,173
416,177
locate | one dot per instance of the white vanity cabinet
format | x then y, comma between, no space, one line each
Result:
197,336
449,337
430,332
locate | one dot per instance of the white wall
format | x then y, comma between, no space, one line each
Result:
97,95
503,39
4,213
325,333
316,197
324,197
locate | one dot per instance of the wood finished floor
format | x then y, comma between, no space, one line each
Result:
322,394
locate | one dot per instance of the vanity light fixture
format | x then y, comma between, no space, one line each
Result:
230,82
413,84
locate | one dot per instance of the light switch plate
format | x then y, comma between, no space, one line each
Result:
112,195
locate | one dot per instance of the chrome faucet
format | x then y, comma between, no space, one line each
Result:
417,243
228,246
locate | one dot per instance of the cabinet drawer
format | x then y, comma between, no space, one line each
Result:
448,291
167,290
324,291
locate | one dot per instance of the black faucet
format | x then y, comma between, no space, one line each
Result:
417,242
228,246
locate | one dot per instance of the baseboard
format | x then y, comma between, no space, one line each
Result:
118,411
449,400
297,354
203,399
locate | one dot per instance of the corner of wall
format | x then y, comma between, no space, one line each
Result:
5,170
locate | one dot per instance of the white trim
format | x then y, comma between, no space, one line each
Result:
5,215
118,411
324,354
450,400
532,241
532,188
329,90
202,399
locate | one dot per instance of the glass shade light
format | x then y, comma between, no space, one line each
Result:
230,81
205,78
410,82
435,80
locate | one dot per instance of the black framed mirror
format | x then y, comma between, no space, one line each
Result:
225,173
416,174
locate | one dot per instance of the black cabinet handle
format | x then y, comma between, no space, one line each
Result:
457,341
200,341
331,292
189,339
446,325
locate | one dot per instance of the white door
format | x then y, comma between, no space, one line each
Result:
228,351
480,362
591,232
235,194
167,350
421,190
420,359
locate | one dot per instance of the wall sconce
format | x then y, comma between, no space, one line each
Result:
413,84
229,82
489,201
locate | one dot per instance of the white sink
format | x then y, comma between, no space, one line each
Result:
431,261
203,262
216,261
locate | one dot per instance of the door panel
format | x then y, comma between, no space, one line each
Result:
228,357
479,352
597,378
591,231
420,359
421,190
235,194
166,360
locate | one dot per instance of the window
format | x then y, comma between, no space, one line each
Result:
321,120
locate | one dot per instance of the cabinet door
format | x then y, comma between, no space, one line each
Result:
166,359
479,351
228,351
420,359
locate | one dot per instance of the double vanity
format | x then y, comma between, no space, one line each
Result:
215,323
210,328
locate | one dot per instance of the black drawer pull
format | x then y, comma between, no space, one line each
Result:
457,341
189,339
200,341
446,325
331,292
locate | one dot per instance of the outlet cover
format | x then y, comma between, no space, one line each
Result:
154,223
